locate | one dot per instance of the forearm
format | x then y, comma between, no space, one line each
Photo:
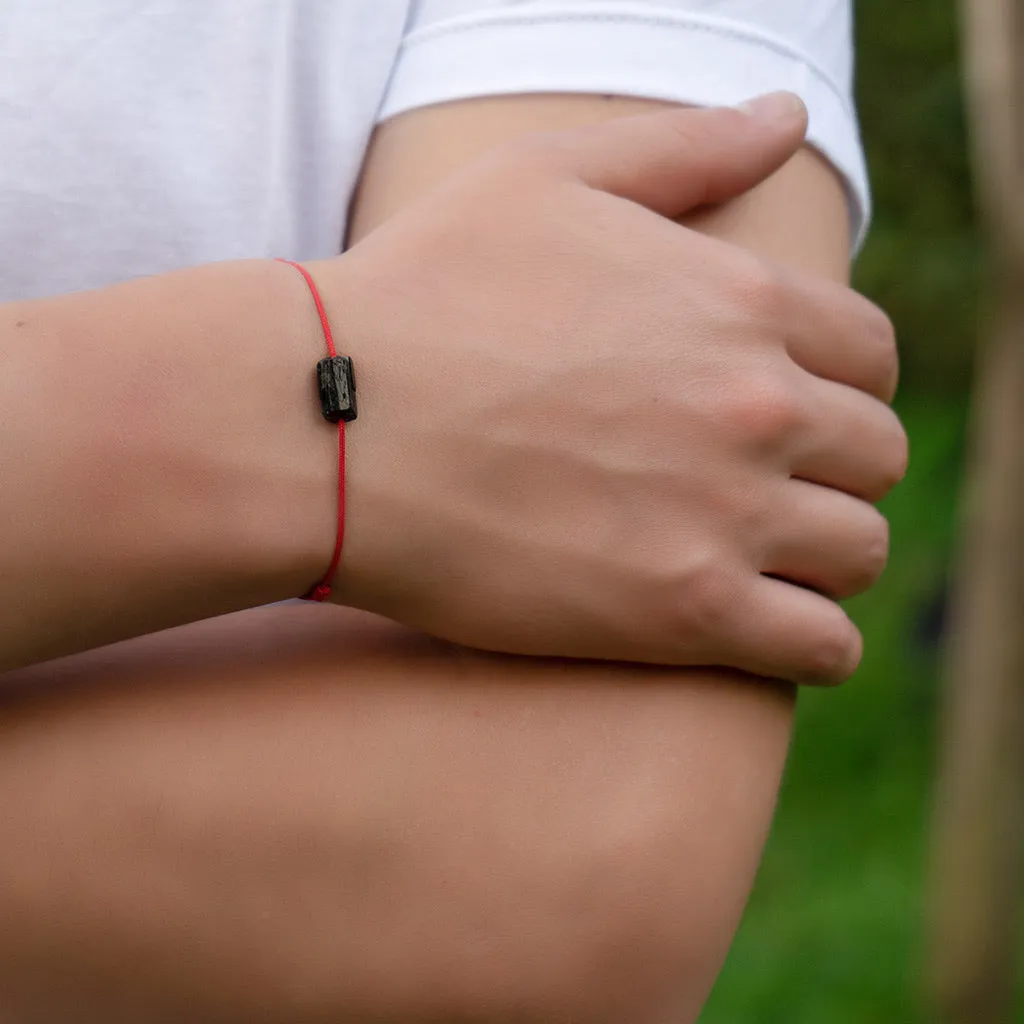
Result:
491,502
797,218
220,823
501,833
162,455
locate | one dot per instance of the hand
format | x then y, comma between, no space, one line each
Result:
587,431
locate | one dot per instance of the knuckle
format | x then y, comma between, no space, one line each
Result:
873,553
766,411
834,651
881,329
880,334
901,453
761,288
887,454
895,456
703,597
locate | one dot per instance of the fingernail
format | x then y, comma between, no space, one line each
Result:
775,106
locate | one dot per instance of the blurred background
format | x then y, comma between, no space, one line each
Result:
836,929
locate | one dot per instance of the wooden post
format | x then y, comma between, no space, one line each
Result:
979,818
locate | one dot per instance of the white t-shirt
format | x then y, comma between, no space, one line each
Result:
141,135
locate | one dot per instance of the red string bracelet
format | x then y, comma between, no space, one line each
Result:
338,403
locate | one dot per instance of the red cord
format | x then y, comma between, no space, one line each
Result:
322,591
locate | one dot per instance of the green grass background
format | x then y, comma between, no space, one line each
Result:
834,932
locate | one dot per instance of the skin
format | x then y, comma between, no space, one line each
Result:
309,814
513,483
220,824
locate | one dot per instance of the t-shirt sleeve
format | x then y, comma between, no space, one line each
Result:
701,52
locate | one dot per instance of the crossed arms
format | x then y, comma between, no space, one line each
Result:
312,814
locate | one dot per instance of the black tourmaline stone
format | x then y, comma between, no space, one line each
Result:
337,388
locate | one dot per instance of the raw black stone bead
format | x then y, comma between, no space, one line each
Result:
337,388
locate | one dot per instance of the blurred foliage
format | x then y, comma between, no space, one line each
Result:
923,260
834,931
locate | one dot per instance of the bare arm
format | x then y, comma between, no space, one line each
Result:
243,831
161,456
218,824
798,217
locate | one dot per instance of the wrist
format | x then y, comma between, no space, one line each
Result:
367,507
269,457
231,456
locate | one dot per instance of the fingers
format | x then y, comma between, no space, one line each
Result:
776,629
840,336
855,443
831,542
676,160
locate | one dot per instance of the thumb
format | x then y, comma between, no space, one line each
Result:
675,160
